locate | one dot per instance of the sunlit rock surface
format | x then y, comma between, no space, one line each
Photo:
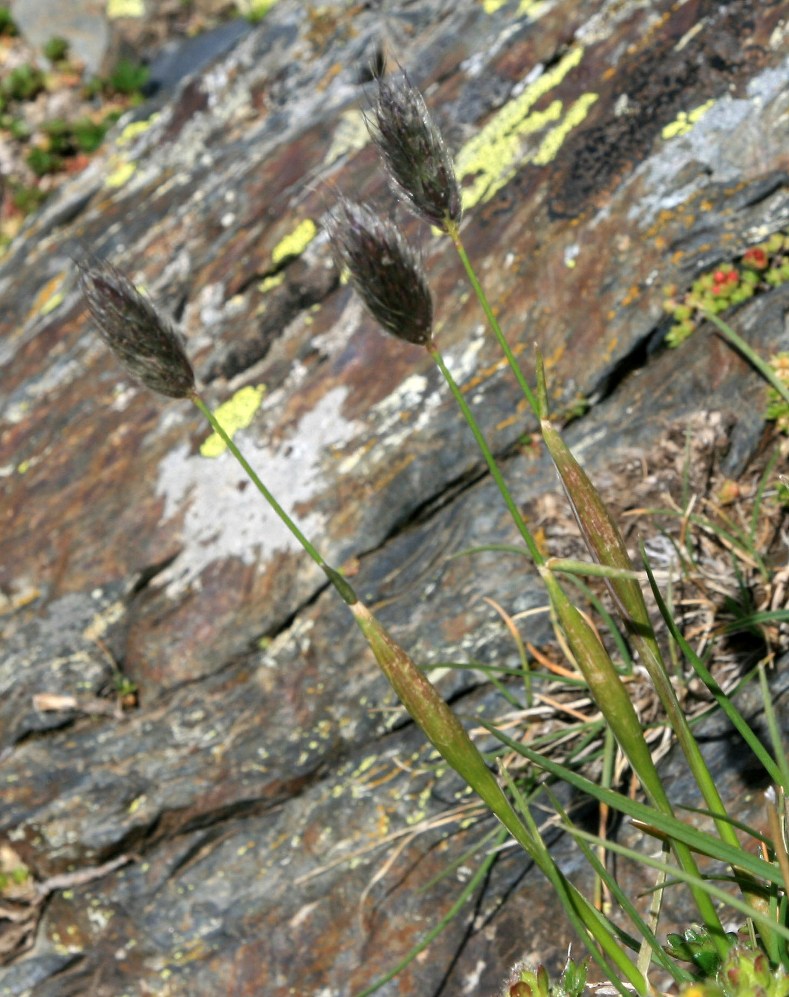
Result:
250,827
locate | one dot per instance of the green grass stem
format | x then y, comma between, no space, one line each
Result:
344,589
453,231
490,460
750,355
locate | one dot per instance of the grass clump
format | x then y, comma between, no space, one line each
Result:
391,281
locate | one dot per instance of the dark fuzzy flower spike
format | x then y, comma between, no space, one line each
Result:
386,273
414,152
146,345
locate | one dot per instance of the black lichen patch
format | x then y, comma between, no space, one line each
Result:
675,71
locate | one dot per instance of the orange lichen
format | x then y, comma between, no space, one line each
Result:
554,358
633,292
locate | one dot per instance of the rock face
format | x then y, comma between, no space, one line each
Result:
250,827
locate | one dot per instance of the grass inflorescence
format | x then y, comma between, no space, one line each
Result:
706,959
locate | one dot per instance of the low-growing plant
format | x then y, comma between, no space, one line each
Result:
127,78
17,128
8,26
715,291
56,50
390,278
27,199
63,140
66,138
88,134
43,161
24,82
59,136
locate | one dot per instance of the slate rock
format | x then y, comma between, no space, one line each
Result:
269,801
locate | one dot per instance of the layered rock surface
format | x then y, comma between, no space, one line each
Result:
250,827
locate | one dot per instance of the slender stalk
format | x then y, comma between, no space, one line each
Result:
427,708
453,231
438,722
604,684
445,732
590,925
340,584
605,542
750,355
612,697
490,460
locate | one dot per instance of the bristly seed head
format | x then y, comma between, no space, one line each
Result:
146,345
386,273
414,152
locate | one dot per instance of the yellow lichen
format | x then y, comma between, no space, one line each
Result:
49,297
236,413
532,7
52,304
495,153
269,283
685,120
125,8
122,173
295,242
554,140
254,8
135,128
